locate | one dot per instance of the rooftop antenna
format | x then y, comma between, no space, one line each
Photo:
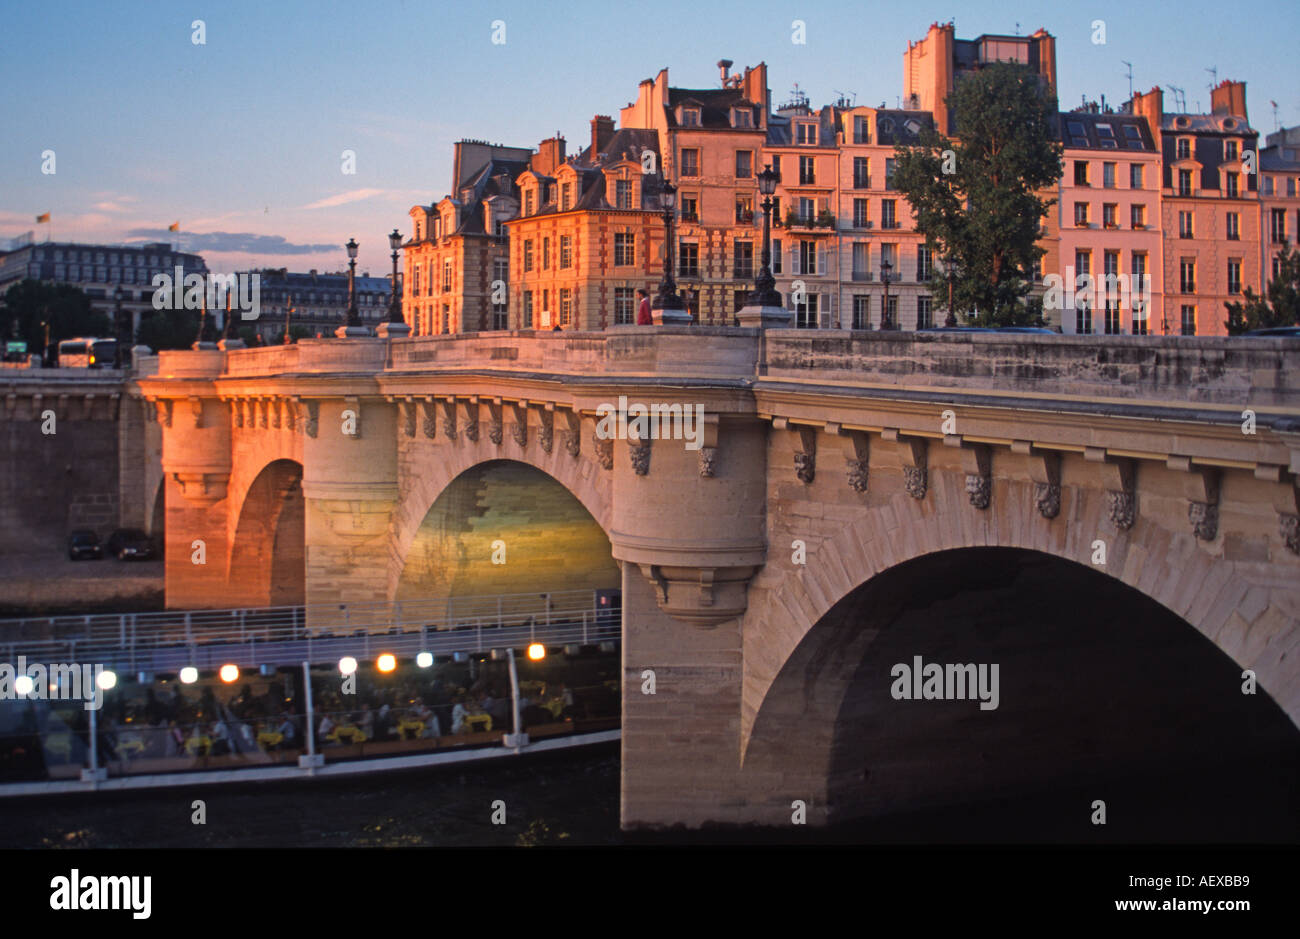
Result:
1214,76
1130,81
1276,126
1017,29
1180,98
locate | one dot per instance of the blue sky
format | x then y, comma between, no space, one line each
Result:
241,139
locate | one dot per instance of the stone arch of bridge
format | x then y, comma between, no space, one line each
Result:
426,484
1252,618
993,693
267,558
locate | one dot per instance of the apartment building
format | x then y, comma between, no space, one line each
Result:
1210,217
589,233
457,250
1279,196
711,142
1107,218
107,274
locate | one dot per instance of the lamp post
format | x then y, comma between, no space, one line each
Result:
765,293
667,302
117,327
396,327
395,305
950,268
352,326
353,317
886,321
288,309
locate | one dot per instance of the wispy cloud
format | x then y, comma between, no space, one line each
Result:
343,198
246,242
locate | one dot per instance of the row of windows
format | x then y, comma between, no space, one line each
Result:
1083,169
113,258
1137,215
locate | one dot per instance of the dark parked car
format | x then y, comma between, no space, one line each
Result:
130,544
84,543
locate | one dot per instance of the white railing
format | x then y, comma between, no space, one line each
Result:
249,637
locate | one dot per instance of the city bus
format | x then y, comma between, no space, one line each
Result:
87,353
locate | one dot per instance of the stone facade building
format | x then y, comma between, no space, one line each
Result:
590,233
457,249
1107,220
1279,195
1209,208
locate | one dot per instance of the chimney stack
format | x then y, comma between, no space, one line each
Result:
1229,97
725,66
602,131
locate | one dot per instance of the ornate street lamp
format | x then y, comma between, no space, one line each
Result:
950,268
395,305
353,317
288,309
886,320
668,299
765,293
118,331
352,326
395,327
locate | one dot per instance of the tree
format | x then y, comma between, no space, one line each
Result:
1280,308
977,199
168,329
27,305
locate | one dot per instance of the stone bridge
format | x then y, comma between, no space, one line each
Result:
1121,513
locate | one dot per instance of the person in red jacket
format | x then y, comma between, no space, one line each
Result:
643,317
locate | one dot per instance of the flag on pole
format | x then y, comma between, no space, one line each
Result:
174,226
41,219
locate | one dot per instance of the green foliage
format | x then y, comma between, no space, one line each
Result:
987,212
1281,306
168,329
27,304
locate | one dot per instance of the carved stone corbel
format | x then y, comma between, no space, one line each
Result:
196,410
546,429
856,452
237,412
275,413
1045,471
312,424
469,424
429,413
913,453
709,446
1119,479
604,451
805,457
519,423
977,464
1286,500
572,435
407,409
164,411
639,452
449,417
1201,487
495,426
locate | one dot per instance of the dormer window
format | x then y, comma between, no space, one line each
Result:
690,117
528,202
1230,150
566,196
806,133
742,117
1184,151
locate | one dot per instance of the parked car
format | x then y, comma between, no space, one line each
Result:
84,543
130,544
1292,332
